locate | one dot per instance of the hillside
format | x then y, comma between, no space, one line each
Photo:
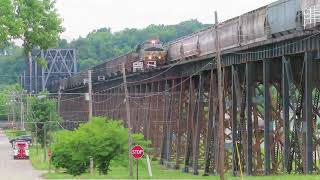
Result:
100,45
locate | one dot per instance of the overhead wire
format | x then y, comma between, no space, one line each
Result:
167,90
177,63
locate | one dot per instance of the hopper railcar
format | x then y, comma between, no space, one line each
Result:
276,19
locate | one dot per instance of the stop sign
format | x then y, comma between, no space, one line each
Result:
137,152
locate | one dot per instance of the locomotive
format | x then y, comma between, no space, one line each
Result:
151,54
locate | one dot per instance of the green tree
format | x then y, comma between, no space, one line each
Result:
10,25
100,45
43,116
41,23
8,98
11,67
102,139
36,22
87,63
97,46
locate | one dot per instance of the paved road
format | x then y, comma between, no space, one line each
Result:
14,169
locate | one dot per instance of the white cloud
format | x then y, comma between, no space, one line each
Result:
83,16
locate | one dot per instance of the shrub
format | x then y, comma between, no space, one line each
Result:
103,140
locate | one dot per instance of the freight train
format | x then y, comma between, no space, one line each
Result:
276,19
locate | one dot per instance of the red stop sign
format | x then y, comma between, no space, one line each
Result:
137,152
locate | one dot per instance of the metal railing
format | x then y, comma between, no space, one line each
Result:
311,17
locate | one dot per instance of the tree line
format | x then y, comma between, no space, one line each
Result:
102,44
98,46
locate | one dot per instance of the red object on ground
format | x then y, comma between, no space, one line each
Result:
137,152
49,153
22,150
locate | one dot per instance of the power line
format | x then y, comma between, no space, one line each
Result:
159,93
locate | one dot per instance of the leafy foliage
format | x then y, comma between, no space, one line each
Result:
41,23
103,44
42,114
36,22
8,96
10,25
99,45
102,139
10,67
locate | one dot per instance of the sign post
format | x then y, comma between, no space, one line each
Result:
49,155
137,152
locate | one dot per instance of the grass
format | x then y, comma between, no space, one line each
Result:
37,159
10,133
14,133
159,172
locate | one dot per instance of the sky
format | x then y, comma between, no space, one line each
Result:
83,16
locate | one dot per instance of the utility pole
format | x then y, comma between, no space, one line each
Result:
24,80
21,106
128,119
44,142
59,100
90,93
21,112
221,106
30,72
13,104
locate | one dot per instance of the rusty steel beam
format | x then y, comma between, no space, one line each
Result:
179,121
209,151
157,114
308,116
197,120
149,112
188,150
169,121
267,115
249,86
285,103
146,112
234,124
164,146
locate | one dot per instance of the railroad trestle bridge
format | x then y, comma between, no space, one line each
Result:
271,105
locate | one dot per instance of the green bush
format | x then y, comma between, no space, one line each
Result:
104,140
20,133
44,117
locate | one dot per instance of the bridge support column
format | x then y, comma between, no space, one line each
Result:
156,124
249,86
188,150
198,117
150,112
146,112
267,115
234,124
209,151
308,113
179,124
165,125
285,111
140,115
169,121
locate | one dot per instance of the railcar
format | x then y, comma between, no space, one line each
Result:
276,19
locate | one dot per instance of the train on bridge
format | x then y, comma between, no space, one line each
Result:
280,18
271,89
